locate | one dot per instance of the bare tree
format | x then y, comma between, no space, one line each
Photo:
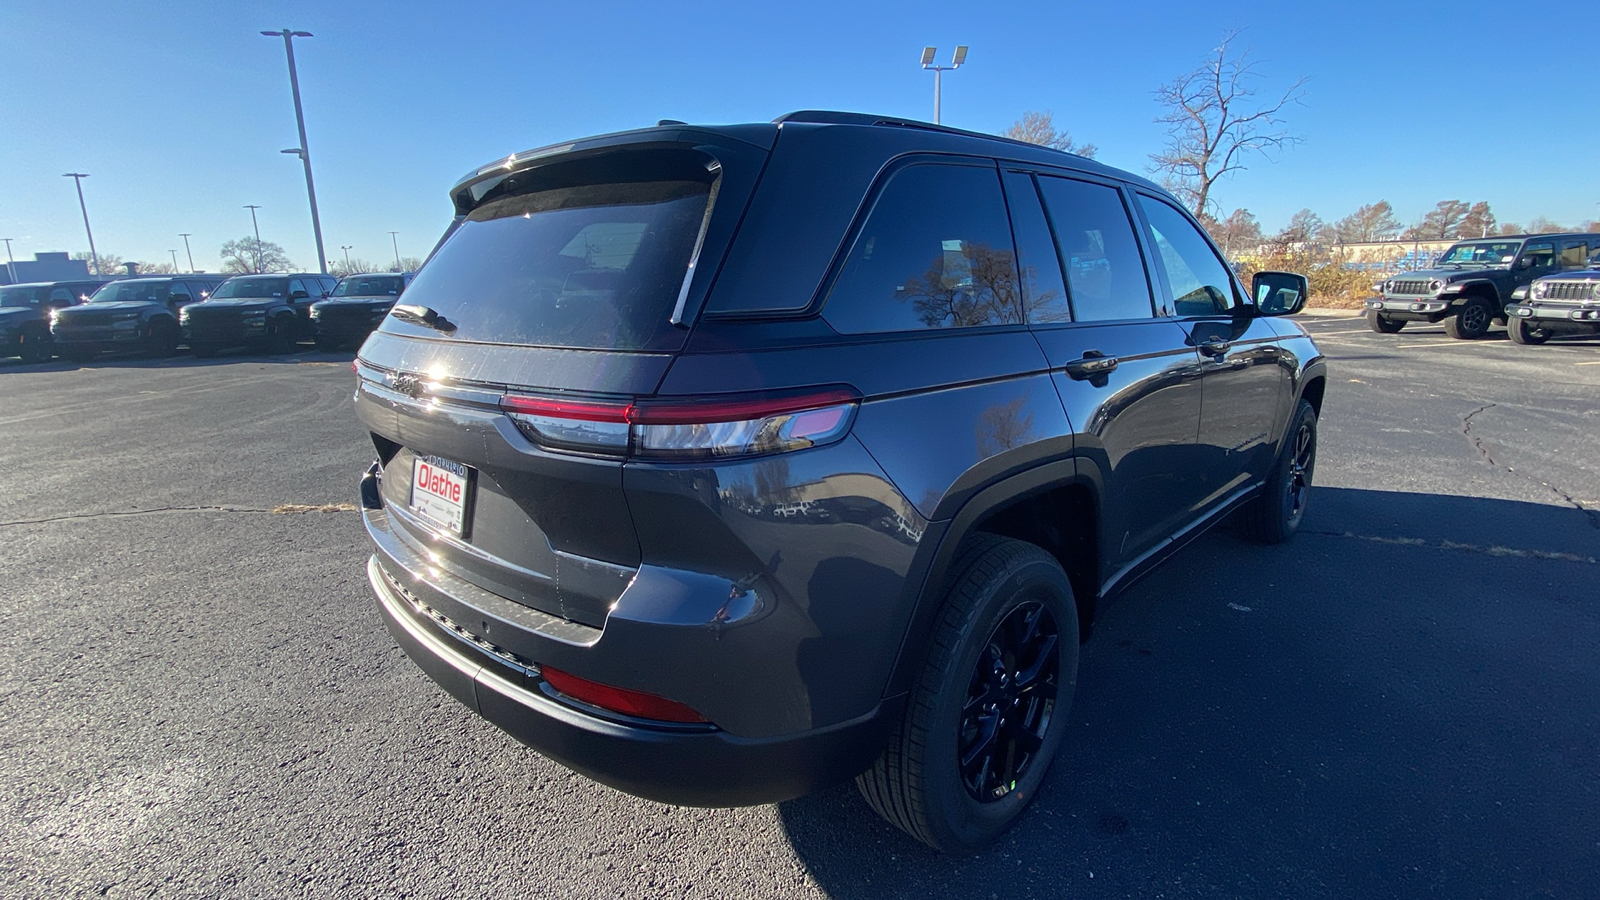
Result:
247,256
1040,128
1372,222
1214,124
1542,225
1238,233
357,266
110,264
1478,222
408,264
1442,223
1304,227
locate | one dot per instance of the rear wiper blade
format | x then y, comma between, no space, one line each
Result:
422,315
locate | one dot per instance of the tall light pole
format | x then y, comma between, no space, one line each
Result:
11,264
303,151
94,255
346,249
938,72
174,260
252,207
396,249
186,249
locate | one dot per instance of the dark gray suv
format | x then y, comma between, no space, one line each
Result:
724,463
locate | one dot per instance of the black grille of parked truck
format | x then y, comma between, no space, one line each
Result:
355,308
725,463
135,314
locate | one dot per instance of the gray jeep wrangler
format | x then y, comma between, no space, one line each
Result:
1468,288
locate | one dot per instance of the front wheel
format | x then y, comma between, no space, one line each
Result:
1275,515
164,339
35,347
1382,324
1523,333
202,350
1472,322
990,707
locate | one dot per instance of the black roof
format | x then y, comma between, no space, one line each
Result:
279,275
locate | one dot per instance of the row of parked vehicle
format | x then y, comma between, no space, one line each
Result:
1537,285
209,313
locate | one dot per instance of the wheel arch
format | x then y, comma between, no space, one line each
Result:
1055,506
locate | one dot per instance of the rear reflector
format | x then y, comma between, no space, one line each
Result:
688,428
630,703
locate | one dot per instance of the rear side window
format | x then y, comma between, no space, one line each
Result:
935,252
1042,287
1201,285
1105,273
593,266
1574,254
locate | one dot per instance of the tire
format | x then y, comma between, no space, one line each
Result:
78,354
1382,324
35,347
1522,333
1275,515
164,339
1472,322
203,351
280,340
329,345
1008,603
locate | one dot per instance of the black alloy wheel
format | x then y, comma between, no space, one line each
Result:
989,709
1010,702
1472,322
1275,515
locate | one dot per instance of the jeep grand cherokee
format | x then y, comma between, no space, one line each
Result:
723,463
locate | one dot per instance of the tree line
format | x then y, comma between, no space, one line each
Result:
244,256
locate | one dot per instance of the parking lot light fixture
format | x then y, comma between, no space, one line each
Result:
396,249
94,255
11,264
253,207
174,260
303,151
938,72
346,248
186,250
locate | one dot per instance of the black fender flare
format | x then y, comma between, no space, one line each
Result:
942,538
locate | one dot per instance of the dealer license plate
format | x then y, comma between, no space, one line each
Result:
441,492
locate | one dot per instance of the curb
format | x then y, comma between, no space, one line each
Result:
1329,313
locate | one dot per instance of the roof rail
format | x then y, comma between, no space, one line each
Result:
829,117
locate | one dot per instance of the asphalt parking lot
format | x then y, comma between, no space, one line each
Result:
197,697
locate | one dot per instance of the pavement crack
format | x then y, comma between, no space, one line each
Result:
279,510
1592,516
1495,550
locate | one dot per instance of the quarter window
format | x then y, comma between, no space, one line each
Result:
1201,285
1105,273
935,252
1042,288
1538,256
1574,254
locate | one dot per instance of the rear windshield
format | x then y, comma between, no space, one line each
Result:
237,288
369,286
21,296
594,266
123,291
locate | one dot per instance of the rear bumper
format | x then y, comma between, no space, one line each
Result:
688,765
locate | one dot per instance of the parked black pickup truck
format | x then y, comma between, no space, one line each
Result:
1567,303
1470,285
355,307
133,314
271,312
25,314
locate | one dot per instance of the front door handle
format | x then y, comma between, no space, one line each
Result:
1215,349
1093,365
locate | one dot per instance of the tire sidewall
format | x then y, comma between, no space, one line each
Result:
1305,417
964,822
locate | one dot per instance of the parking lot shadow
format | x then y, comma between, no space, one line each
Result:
1400,702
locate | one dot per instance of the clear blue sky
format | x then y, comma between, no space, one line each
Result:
178,109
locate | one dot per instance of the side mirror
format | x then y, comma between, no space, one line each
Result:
1279,293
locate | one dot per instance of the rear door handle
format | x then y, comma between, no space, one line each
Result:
1216,349
1093,364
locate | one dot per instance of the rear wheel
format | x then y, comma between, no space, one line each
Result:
164,339
280,339
1275,515
78,354
1472,322
1382,324
1523,333
329,345
990,706
204,351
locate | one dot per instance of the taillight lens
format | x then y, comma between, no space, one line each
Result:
692,428
629,703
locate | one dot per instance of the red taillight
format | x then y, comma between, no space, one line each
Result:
631,703
711,427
